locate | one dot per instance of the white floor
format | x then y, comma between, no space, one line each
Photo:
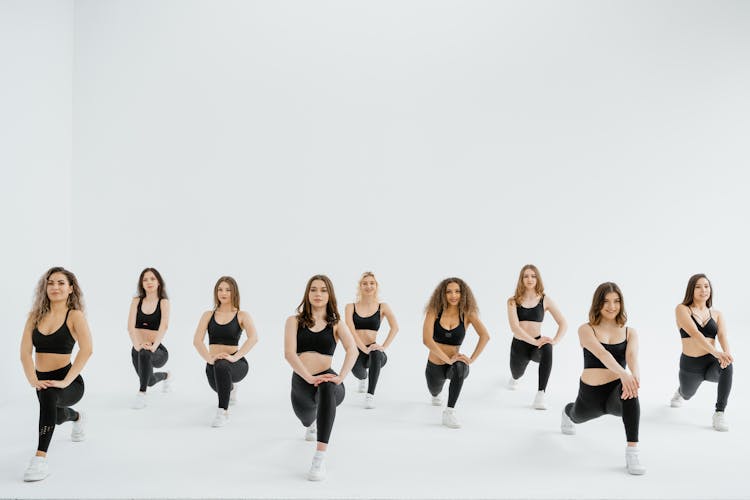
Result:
398,450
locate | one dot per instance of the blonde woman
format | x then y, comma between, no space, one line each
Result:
363,318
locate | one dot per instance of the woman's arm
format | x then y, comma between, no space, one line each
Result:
290,350
484,337
562,325
631,354
135,337
27,352
589,341
515,325
347,340
392,323
349,318
725,358
200,334
428,329
684,321
246,322
82,335
163,325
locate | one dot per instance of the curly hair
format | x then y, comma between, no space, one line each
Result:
438,303
41,304
304,310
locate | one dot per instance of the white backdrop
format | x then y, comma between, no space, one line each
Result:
274,140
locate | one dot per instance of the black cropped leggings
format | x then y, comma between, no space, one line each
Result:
437,374
223,374
597,400
54,404
694,370
522,352
312,403
144,362
373,362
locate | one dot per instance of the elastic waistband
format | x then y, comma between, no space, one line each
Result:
58,374
608,385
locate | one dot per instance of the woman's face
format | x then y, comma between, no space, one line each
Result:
368,286
453,294
58,287
529,279
611,306
150,282
224,293
318,295
702,290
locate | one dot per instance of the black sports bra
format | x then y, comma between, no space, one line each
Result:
454,336
322,342
226,334
368,323
616,350
58,342
709,330
535,313
148,321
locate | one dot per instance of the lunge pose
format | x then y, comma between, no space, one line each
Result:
310,340
450,312
363,318
56,322
611,378
147,331
225,361
525,314
700,326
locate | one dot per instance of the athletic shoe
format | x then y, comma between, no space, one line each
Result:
311,433
566,424
233,395
139,402
450,419
540,402
221,418
512,384
676,400
318,468
37,469
369,401
362,386
166,385
719,422
437,400
633,461
78,433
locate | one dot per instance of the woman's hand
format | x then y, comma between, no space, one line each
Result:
460,357
229,357
374,347
326,377
39,384
541,341
59,384
153,346
630,385
724,358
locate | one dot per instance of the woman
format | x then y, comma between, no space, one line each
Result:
56,322
363,318
700,326
525,314
450,312
225,362
606,385
310,339
147,331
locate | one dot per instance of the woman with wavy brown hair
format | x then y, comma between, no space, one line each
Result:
56,322
226,365
451,310
310,339
525,314
611,376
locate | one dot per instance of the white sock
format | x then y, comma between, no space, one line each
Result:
319,454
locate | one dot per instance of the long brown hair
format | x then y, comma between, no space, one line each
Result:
41,304
367,274
161,291
690,291
304,309
235,292
438,303
521,289
595,313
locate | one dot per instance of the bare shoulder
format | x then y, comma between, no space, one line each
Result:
717,314
632,332
76,315
512,302
385,308
348,307
291,321
681,307
585,328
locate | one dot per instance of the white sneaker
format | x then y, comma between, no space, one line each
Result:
139,402
78,433
437,400
676,400
221,418
512,384
540,401
37,469
633,461
566,424
450,419
311,433
166,385
369,401
233,395
719,422
318,468
362,386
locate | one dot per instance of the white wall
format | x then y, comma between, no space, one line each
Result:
36,57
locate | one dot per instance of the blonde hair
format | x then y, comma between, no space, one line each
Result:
366,274
41,304
521,289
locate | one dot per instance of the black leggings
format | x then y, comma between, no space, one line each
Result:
522,352
436,375
693,371
144,362
373,362
312,403
597,400
54,404
223,374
